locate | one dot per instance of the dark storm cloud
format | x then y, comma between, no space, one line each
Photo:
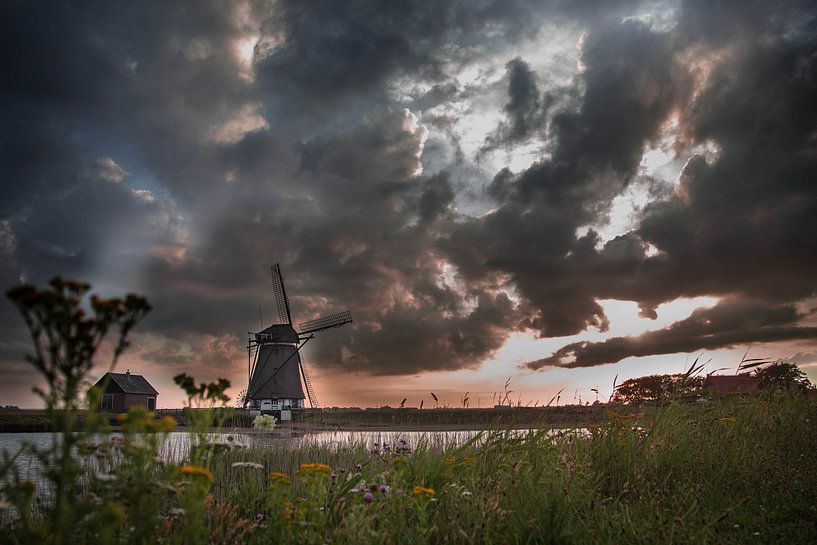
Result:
335,50
152,156
632,81
727,324
524,110
737,223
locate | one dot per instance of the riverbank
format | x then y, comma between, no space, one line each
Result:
379,419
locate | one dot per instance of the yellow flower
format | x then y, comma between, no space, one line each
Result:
196,471
449,461
425,492
468,460
167,424
280,478
312,469
729,420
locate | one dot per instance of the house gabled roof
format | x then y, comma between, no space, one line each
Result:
129,383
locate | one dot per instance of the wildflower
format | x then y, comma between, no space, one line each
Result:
314,469
420,491
196,471
368,497
728,420
249,465
114,513
384,488
333,476
280,478
177,512
259,517
466,493
468,460
358,468
449,461
167,424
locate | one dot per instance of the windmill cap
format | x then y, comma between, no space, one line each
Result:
280,333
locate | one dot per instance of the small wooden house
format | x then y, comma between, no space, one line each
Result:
732,384
124,390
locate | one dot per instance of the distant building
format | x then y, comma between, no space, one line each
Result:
124,390
732,384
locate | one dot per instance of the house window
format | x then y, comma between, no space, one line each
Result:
107,402
151,403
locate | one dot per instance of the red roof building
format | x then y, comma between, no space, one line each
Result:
732,384
124,390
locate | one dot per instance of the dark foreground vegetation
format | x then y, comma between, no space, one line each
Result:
731,470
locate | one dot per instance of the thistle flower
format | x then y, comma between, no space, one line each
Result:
368,497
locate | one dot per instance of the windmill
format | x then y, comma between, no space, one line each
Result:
275,367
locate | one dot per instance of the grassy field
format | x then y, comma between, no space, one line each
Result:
731,471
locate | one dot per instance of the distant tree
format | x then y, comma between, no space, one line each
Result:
782,376
657,387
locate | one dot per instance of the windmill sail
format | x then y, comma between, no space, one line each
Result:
333,320
313,399
281,301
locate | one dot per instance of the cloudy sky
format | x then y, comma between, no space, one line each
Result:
554,191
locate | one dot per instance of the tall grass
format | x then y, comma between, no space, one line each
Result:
731,471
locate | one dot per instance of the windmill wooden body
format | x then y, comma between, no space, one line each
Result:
275,366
